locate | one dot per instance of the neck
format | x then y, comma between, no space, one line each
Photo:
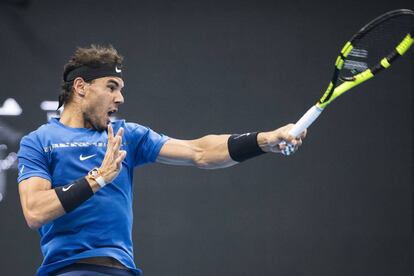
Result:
72,117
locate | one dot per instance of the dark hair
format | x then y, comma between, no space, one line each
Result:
92,56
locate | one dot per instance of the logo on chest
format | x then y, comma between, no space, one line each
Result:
83,158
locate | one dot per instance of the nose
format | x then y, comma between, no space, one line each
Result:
119,99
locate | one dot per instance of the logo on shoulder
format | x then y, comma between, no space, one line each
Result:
21,170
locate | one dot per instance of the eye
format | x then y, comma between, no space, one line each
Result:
111,87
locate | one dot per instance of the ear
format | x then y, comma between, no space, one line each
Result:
79,87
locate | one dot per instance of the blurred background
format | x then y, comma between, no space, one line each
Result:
342,205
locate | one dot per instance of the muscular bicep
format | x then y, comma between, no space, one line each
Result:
28,189
39,201
179,152
208,152
32,185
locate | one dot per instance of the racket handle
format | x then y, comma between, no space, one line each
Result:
304,122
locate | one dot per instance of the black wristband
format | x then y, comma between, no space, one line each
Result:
243,146
74,194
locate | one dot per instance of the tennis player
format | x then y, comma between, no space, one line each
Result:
76,172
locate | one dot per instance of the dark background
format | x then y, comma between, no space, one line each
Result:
343,205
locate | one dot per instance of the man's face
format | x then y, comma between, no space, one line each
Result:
102,98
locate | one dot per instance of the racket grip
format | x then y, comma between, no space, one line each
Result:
304,122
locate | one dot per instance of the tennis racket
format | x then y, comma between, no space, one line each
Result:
371,50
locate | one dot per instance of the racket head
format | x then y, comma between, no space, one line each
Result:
372,49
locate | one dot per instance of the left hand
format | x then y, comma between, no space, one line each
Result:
269,141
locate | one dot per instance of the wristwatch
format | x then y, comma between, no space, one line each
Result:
96,175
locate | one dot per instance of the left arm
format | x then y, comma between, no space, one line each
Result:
211,151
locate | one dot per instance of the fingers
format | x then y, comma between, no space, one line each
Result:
295,141
303,134
291,139
120,132
120,158
112,163
116,147
114,144
110,133
298,141
118,140
111,137
279,147
285,140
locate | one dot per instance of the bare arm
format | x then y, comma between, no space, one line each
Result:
208,152
40,202
211,151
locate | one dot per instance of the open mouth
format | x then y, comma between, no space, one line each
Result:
112,112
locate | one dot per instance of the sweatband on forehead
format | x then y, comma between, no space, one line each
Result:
90,73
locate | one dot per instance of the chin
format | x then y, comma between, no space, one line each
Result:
101,126
98,124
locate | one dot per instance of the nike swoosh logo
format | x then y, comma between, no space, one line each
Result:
21,170
83,158
245,134
117,70
67,188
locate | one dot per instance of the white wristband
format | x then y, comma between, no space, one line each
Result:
95,174
101,181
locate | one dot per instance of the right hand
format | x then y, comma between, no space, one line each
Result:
276,140
112,162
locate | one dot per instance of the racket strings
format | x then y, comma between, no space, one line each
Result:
370,47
